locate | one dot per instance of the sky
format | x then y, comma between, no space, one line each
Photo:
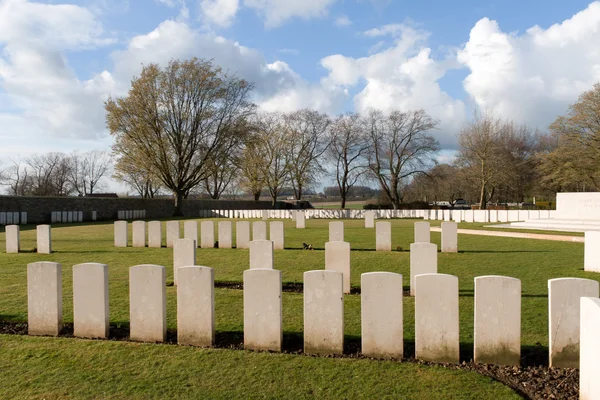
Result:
522,60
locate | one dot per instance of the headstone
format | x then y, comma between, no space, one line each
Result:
383,235
69,216
155,234
337,258
277,235
468,215
190,230
263,321
44,239
16,217
293,215
2,218
591,258
121,234
381,315
13,238
138,233
497,320
79,216
207,232
589,368
261,254
336,231
265,215
323,312
436,318
65,217
196,306
44,298
94,215
184,255
242,235
225,235
90,300
23,218
369,219
173,232
449,237
9,218
422,232
300,219
147,303
259,230
563,321
423,260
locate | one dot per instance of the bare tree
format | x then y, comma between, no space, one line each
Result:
400,147
138,176
88,169
18,180
176,119
348,150
307,138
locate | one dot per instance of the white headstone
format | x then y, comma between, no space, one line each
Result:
277,235
184,255
207,232
242,235
44,239
591,258
138,233
259,230
336,231
449,237
436,318
261,254
155,234
147,303
44,298
13,238
381,315
225,235
190,230
423,260
90,300
263,321
121,234
196,306
369,219
383,235
589,368
422,232
173,232
300,219
337,258
323,312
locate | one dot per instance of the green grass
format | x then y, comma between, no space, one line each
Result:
126,370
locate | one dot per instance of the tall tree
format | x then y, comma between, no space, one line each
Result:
307,139
88,169
253,168
400,147
138,176
348,151
178,118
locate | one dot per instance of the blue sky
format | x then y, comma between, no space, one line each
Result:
525,61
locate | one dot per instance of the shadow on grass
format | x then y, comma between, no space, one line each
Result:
508,251
471,292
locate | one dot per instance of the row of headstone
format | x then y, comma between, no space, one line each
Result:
485,216
13,239
65,217
131,214
13,218
153,231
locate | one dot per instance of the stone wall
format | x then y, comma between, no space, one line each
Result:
39,209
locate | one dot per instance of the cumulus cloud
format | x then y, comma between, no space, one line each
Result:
219,12
276,12
532,77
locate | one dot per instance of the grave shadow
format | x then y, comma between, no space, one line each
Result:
471,293
507,251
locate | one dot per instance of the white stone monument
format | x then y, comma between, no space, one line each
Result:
138,233
423,260
383,236
90,301
190,230
155,234
184,255
207,233
44,239
276,234
336,231
369,219
242,235
44,298
422,232
449,237
224,228
337,258
147,303
589,369
173,232
261,254
121,234
196,306
259,230
263,319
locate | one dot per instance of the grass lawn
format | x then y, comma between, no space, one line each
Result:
74,368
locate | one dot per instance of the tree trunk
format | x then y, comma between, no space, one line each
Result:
343,202
273,200
178,212
256,196
482,198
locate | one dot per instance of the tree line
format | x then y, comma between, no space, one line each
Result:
191,128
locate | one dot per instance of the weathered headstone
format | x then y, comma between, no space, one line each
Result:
225,235
589,368
436,318
591,258
383,236
323,312
337,258
207,233
259,230
138,233
563,318
196,306
190,230
261,254
155,234
449,237
242,235
263,321
13,238
369,219
44,239
300,219
422,232
336,231
90,300
173,232
121,234
184,255
147,303
497,320
381,315
265,215
44,298
423,260
277,236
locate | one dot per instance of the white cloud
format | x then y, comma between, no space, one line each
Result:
389,29
219,12
276,12
532,77
342,21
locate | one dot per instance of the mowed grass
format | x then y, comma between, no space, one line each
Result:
76,368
